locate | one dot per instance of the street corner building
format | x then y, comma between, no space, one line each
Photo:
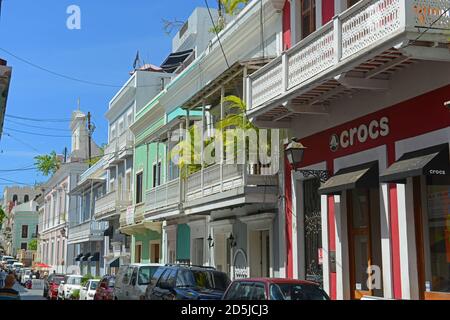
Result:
5,79
367,101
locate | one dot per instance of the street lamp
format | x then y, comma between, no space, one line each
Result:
232,242
295,152
210,241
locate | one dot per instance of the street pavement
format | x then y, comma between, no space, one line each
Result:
26,294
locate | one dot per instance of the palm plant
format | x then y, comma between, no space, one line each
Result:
48,164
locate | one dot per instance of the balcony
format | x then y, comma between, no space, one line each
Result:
373,37
88,231
111,204
218,183
120,148
164,196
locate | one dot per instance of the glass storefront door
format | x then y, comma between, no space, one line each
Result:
433,238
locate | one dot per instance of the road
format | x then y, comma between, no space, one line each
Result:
26,294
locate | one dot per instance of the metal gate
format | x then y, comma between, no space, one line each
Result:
313,230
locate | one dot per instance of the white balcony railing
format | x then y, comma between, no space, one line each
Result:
87,230
120,147
220,178
112,202
163,196
366,25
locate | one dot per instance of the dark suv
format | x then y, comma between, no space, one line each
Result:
185,282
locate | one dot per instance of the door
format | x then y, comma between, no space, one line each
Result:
155,247
137,253
259,253
312,230
432,223
197,253
364,247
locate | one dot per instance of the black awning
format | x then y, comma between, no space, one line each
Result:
433,161
85,257
94,257
361,176
78,257
109,232
115,263
174,60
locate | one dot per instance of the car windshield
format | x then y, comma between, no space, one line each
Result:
94,285
145,274
73,280
203,279
290,291
57,280
111,282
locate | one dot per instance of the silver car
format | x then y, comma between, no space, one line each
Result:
132,280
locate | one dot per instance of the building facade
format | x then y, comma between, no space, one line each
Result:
24,227
61,208
367,100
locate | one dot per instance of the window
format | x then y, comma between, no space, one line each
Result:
130,118
24,231
287,291
134,276
15,198
351,3
156,174
121,126
23,246
145,274
156,276
308,23
240,291
259,292
37,230
26,198
113,133
139,187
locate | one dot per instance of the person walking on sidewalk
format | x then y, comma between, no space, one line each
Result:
8,293
2,278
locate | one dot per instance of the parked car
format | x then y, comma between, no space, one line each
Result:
105,289
24,275
132,281
5,259
87,292
183,282
274,289
68,285
51,285
9,264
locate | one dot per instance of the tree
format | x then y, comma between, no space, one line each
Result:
188,154
48,164
231,8
33,245
2,216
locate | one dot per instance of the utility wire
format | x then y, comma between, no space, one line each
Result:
37,119
20,141
68,77
37,134
426,30
38,127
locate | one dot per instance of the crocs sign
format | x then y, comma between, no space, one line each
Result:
352,136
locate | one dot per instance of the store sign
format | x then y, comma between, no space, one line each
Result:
130,215
360,134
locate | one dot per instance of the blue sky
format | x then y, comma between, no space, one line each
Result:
102,51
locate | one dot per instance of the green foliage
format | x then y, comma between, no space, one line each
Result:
86,278
75,294
233,7
2,215
188,154
48,164
33,245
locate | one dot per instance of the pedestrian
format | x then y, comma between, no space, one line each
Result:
8,293
2,278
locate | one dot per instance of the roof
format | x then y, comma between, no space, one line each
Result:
175,60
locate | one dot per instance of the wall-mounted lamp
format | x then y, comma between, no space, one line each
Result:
210,241
295,152
232,242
